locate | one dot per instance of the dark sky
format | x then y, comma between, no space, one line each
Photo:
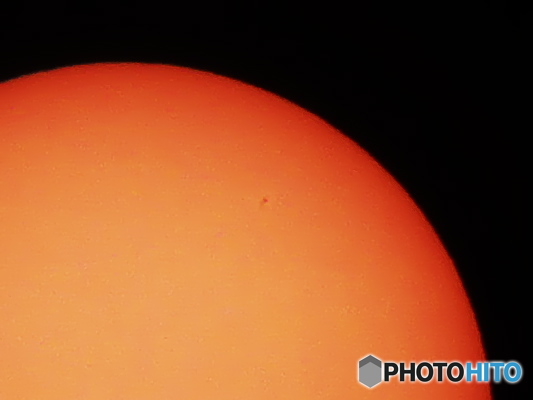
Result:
437,94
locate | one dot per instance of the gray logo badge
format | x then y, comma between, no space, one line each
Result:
369,371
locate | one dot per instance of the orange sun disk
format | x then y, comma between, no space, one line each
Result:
169,233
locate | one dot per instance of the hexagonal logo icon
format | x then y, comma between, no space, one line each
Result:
369,371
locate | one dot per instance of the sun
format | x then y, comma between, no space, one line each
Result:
168,232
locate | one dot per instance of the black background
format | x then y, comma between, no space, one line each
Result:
437,94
